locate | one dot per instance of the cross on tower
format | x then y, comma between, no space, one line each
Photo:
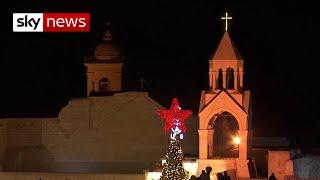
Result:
142,83
226,18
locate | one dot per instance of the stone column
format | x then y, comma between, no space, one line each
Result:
214,80
242,169
241,78
210,143
224,77
242,162
203,143
210,79
243,147
235,78
210,74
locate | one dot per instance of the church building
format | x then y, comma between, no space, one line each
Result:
225,114
116,132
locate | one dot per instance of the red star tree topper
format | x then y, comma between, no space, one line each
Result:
174,113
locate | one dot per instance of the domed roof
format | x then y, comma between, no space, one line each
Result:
107,49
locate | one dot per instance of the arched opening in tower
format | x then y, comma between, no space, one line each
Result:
224,128
104,85
220,80
230,78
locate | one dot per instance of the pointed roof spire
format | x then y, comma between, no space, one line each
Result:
226,49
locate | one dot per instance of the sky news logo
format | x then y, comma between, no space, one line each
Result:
51,22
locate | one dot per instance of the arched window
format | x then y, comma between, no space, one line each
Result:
104,85
220,79
230,78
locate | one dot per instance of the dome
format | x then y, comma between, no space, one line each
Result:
106,49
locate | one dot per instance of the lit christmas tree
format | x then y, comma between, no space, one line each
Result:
175,121
173,167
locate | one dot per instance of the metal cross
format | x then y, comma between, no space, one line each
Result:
226,18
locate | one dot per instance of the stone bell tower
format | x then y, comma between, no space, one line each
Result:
104,68
225,113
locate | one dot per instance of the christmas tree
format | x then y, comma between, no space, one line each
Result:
173,168
175,121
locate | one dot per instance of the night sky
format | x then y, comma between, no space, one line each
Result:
169,44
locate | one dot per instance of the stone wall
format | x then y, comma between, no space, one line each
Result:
111,134
307,167
280,164
23,148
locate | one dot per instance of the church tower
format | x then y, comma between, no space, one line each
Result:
104,68
225,113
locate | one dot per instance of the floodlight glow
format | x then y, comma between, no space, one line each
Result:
236,140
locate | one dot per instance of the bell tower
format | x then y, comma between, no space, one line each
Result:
225,112
226,67
104,68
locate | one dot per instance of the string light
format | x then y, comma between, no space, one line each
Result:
175,121
173,167
175,118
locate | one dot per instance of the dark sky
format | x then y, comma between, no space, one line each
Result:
169,43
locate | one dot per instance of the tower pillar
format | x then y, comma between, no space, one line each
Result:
224,77
214,80
243,135
210,143
235,79
210,80
242,162
203,143
242,169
